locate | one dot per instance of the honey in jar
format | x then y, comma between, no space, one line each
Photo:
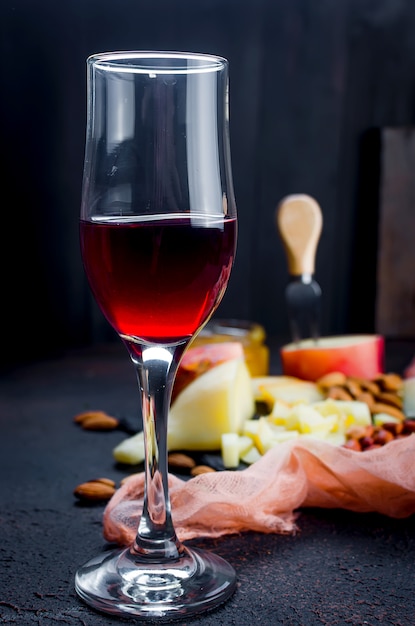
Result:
251,335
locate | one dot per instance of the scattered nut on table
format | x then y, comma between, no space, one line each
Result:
96,420
201,469
98,489
179,460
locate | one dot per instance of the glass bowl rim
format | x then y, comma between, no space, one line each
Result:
146,61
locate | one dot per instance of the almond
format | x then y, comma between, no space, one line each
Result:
201,469
338,393
366,396
94,490
104,481
390,398
81,417
333,379
382,407
177,459
352,387
100,421
389,382
365,384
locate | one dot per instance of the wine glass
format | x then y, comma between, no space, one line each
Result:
158,236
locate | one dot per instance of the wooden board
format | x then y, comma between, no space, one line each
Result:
395,299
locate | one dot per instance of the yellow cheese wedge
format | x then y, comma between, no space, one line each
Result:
219,401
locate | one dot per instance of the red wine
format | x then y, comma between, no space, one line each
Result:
158,279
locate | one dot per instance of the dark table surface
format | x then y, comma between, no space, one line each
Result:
340,568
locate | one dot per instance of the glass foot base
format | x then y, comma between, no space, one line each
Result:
116,583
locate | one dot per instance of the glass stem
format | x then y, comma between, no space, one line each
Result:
156,370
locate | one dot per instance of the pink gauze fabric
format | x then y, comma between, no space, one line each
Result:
266,496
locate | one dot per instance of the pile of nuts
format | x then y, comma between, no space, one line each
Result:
382,394
362,438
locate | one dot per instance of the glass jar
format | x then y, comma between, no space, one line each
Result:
251,335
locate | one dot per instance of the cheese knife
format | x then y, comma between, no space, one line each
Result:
299,222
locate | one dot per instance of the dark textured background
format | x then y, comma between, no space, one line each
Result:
311,83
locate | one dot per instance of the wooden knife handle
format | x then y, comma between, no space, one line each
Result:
299,221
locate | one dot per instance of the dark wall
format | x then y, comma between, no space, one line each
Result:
309,79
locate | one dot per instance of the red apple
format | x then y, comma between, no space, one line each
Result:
354,355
